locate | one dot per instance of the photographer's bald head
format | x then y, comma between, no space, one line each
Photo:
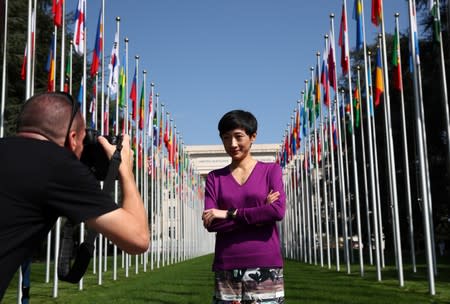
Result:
48,116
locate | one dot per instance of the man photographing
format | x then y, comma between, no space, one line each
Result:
41,178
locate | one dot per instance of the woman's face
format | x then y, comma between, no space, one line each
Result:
237,143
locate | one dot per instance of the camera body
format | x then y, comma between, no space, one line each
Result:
94,156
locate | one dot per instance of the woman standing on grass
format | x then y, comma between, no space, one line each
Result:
243,202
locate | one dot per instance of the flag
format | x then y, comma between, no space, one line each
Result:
317,91
80,91
155,123
357,15
396,62
67,74
324,77
331,62
93,106
106,115
98,46
113,67
343,43
133,96
23,72
166,135
150,111
414,37
57,10
432,6
379,82
79,32
334,131
50,66
377,12
122,88
161,125
357,105
297,128
141,108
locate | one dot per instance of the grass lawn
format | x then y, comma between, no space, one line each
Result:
191,282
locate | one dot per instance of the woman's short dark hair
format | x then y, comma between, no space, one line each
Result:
238,119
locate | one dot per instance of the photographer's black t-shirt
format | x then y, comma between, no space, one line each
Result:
40,181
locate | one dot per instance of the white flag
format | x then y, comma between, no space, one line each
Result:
79,38
113,67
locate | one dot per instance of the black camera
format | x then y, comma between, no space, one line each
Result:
94,156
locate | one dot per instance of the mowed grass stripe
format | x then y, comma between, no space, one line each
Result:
191,282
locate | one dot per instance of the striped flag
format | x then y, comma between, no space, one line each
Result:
50,66
396,62
98,46
357,15
379,82
133,96
79,32
141,108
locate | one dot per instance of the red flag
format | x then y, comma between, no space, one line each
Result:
57,10
377,12
331,62
343,43
133,96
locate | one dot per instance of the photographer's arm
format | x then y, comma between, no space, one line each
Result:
127,227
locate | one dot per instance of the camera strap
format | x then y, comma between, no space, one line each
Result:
73,273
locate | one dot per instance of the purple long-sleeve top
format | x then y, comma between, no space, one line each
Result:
251,239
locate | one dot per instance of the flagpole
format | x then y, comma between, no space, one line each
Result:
316,172
136,138
127,131
63,47
308,198
355,164
346,182
418,101
84,65
333,173
303,189
324,173
33,44
391,155
340,157
28,79
70,65
364,160
144,160
116,131
61,86
84,111
102,127
405,151
126,91
5,38
444,99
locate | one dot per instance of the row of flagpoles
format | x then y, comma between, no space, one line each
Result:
171,187
324,161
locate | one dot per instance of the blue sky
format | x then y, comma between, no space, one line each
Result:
207,57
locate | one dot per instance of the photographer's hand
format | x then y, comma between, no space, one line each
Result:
126,226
